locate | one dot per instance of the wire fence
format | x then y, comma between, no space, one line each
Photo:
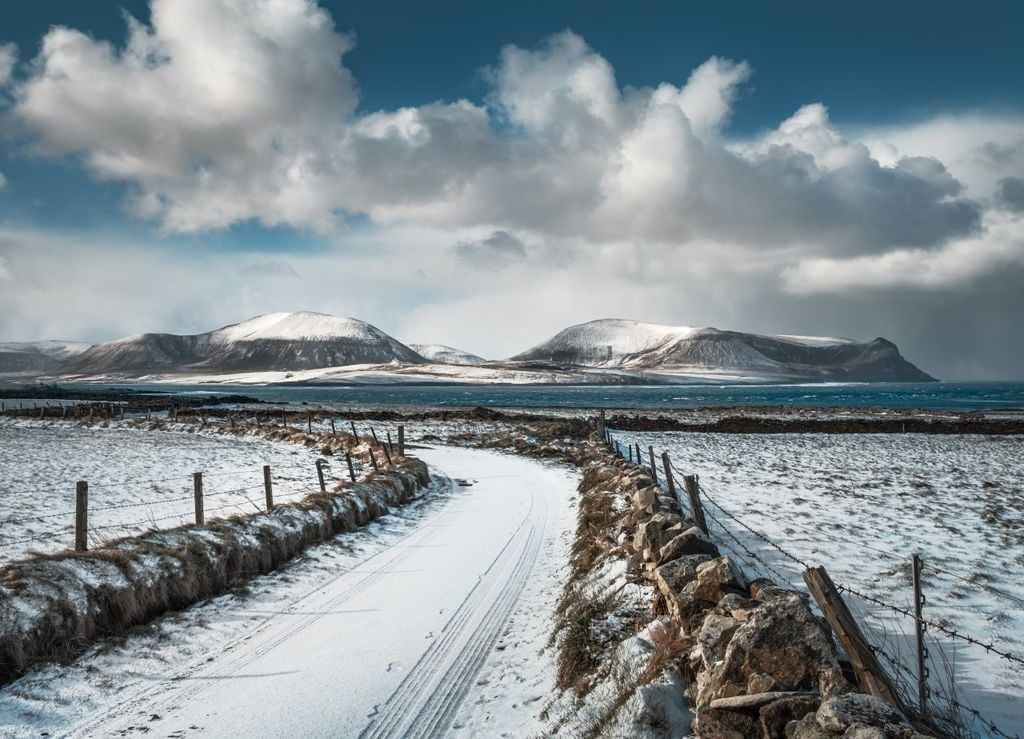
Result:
138,505
940,697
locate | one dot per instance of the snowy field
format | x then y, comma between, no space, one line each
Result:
138,479
860,505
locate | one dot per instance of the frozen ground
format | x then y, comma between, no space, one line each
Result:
860,505
138,479
434,620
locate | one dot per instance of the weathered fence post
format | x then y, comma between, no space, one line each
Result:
401,440
919,628
268,487
391,446
81,516
320,475
654,467
197,489
309,422
667,464
601,422
258,423
618,450
373,431
354,434
630,453
639,455
387,454
373,461
351,469
865,664
696,509
334,431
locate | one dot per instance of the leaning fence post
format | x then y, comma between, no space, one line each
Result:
387,454
391,446
667,464
401,440
373,431
351,470
373,461
654,467
81,516
268,487
320,475
354,434
865,664
197,489
696,509
922,653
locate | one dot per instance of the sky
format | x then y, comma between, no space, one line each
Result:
483,175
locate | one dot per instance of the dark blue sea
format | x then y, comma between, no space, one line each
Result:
989,396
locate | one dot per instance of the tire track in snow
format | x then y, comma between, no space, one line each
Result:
426,700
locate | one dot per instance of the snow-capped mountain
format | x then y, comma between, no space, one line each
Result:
38,356
634,345
274,342
441,354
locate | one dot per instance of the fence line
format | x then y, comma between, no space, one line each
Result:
82,529
906,674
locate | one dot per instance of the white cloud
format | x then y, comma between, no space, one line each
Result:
226,110
960,262
3,181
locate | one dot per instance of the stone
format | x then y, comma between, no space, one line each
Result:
758,699
775,716
651,533
806,728
690,541
860,731
673,576
781,640
760,682
839,713
653,711
712,723
714,579
645,499
714,636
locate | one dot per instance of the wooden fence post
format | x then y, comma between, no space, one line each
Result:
639,455
354,434
922,653
601,422
81,516
373,461
373,431
334,431
309,422
667,464
630,453
387,454
351,469
865,664
696,509
320,475
268,487
197,489
401,440
654,467
391,446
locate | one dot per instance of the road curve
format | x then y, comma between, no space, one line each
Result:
389,648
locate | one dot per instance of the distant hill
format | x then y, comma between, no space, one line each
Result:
441,354
633,345
38,356
274,342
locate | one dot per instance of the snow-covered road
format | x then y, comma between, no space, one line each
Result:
436,631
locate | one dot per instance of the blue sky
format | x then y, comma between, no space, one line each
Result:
829,168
